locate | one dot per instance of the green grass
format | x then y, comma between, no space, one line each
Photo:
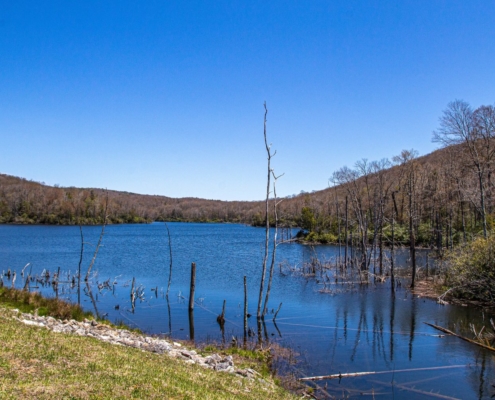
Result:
36,363
256,359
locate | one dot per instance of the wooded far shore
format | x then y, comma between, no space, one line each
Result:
437,194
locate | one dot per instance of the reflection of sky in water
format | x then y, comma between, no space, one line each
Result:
351,329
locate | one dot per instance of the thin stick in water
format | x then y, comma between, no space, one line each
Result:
170,250
276,313
356,374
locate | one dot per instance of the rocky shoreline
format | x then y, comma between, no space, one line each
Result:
123,337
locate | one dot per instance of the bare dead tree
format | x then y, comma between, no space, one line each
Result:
105,218
338,227
170,250
275,244
267,222
351,180
406,160
346,229
133,295
90,294
79,267
392,249
476,131
383,188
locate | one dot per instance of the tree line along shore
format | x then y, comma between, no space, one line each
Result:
444,200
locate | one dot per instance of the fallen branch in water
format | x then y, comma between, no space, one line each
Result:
460,337
355,374
320,389
440,299
414,390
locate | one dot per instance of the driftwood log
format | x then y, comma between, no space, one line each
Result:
357,374
460,337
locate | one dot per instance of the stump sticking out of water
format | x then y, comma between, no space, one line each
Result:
221,317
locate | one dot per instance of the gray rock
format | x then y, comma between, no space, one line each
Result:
122,337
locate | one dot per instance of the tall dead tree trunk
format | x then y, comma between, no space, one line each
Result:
406,160
267,219
274,249
338,229
346,229
79,267
105,218
392,253
412,235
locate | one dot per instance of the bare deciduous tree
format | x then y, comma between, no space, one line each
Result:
105,218
275,244
406,162
475,130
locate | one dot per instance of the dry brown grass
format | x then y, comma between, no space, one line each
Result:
30,301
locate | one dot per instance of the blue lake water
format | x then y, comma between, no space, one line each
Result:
330,327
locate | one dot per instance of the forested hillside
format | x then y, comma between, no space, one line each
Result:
27,202
435,200
442,187
439,199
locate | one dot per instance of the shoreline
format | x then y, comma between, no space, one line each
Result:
127,338
61,357
59,316
427,288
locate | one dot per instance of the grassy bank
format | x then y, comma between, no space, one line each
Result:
27,302
40,364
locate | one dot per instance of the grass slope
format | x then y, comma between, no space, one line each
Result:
39,364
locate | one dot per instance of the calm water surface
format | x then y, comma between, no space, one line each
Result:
330,329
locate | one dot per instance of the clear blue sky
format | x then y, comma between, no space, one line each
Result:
166,97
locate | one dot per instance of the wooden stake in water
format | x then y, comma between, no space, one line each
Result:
193,286
191,325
